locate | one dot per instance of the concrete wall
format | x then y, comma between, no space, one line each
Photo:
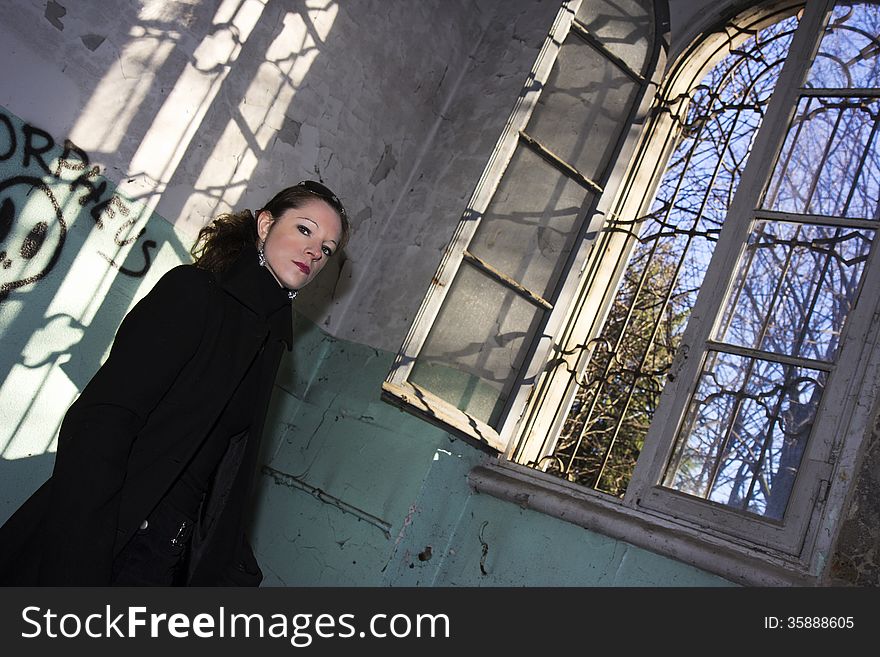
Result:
356,492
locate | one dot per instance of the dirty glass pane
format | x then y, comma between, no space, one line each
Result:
579,114
745,432
830,163
848,54
623,26
477,344
795,288
530,225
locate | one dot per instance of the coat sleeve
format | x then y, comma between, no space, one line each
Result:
153,344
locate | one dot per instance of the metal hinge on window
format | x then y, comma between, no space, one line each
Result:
824,487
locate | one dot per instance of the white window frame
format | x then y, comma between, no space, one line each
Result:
814,476
397,388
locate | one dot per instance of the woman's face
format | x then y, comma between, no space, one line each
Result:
298,243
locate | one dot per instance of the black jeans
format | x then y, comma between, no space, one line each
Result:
156,555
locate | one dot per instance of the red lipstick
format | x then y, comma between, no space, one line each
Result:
304,268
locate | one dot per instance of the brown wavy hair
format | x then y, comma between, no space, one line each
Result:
219,243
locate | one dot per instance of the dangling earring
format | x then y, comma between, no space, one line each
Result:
261,254
291,294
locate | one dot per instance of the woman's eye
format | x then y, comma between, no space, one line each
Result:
327,252
304,230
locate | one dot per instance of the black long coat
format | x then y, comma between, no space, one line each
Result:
175,363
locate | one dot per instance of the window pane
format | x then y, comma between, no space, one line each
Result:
745,432
848,54
578,115
472,364
618,393
623,26
529,227
829,164
795,288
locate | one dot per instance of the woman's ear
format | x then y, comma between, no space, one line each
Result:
264,221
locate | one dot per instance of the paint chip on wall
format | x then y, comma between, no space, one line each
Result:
289,132
54,12
386,163
92,41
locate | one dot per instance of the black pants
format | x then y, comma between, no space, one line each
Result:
156,555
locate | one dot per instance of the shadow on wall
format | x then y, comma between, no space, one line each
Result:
197,108
73,254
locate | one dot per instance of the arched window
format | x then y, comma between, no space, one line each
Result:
627,351
706,362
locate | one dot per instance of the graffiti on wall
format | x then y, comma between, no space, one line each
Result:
75,254
46,187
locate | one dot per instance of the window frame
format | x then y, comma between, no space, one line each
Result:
815,474
697,531
397,389
745,549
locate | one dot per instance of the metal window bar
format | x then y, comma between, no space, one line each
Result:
858,174
808,315
578,28
748,352
507,281
781,174
723,447
772,422
799,344
790,363
819,168
772,196
811,92
559,163
816,219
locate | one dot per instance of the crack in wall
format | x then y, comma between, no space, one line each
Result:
285,479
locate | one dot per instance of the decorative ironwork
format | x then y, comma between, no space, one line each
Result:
751,416
752,410
620,387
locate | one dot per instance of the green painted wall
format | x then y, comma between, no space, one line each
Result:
357,492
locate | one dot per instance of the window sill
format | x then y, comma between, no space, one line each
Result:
738,563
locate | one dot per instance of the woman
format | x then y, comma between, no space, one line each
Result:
156,457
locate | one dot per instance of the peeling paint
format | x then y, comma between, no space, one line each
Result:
289,132
386,164
92,41
54,12
484,549
406,523
857,557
